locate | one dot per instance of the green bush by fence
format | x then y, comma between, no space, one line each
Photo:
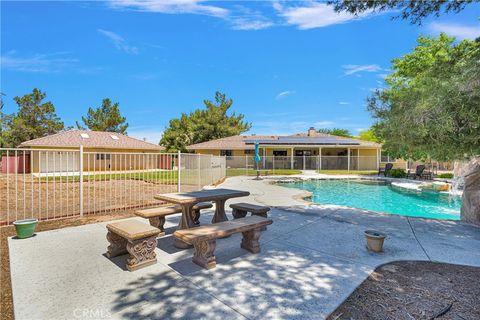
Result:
397,173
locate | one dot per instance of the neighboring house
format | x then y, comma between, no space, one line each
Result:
103,151
310,151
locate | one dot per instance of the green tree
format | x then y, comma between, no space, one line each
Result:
34,119
1,100
368,135
413,10
212,122
336,132
431,106
107,117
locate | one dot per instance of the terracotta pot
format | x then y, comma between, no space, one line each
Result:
374,240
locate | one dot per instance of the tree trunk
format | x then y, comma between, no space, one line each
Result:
471,193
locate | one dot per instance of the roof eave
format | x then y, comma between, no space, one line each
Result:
87,147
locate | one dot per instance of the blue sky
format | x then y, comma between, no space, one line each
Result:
287,65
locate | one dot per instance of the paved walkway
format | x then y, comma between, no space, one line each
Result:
312,258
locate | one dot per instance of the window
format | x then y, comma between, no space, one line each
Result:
103,156
279,153
227,153
300,153
84,135
249,152
114,137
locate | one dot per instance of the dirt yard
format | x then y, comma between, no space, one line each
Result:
30,198
415,290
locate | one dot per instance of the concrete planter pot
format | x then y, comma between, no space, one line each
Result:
374,240
25,228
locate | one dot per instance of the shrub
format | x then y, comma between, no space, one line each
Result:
397,173
445,175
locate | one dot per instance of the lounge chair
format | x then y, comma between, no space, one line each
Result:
385,170
427,175
418,172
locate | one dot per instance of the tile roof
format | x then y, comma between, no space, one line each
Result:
91,139
229,143
246,142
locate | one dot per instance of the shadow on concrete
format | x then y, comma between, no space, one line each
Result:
119,261
278,283
223,256
17,238
167,296
170,230
165,243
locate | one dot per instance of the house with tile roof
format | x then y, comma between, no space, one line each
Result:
102,151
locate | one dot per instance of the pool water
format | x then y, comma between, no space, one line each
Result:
381,197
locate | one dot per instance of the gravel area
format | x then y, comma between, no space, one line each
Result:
415,290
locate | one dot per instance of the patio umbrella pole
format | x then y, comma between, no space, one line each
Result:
257,159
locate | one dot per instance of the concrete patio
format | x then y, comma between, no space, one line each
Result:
312,258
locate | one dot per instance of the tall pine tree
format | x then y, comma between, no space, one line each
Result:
34,119
105,118
201,125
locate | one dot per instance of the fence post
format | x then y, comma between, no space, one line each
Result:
291,159
348,160
358,160
224,167
246,165
264,159
199,174
211,169
320,159
179,163
80,169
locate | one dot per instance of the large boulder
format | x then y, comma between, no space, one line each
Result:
471,192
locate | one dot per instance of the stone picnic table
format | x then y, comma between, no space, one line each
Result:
188,199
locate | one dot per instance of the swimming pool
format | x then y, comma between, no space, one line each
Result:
381,197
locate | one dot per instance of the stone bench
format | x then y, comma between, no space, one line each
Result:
204,238
240,210
133,237
156,216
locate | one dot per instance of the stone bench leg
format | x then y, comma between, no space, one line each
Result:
237,213
118,245
158,222
196,217
263,215
250,240
203,255
142,253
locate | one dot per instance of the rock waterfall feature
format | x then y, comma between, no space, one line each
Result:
471,194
